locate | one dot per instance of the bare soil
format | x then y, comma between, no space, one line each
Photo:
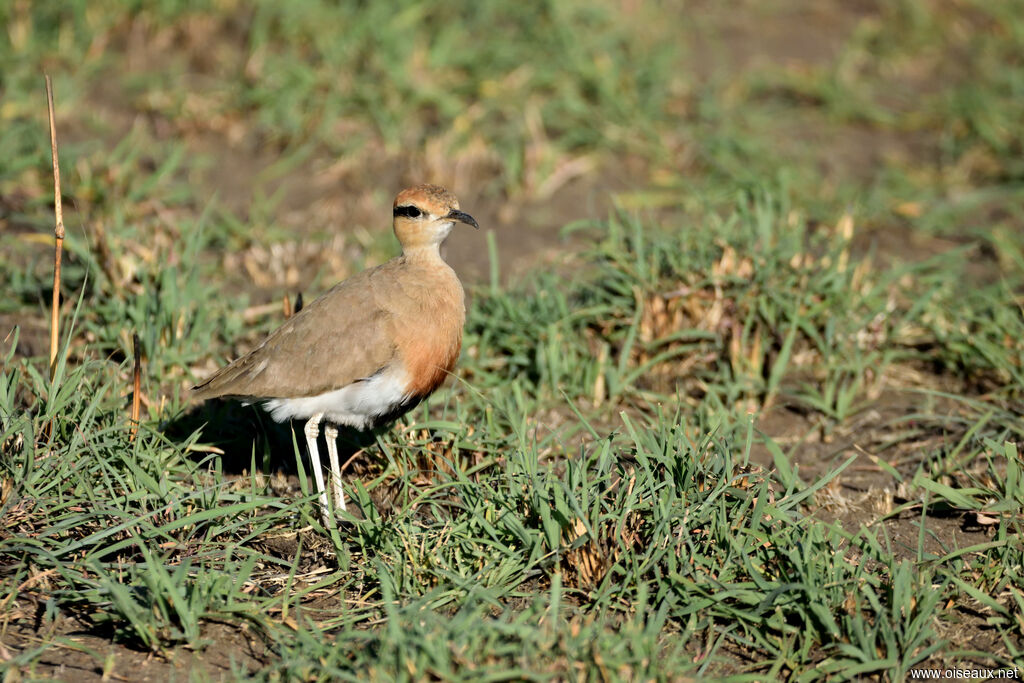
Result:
321,199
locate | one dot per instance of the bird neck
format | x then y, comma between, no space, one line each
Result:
422,253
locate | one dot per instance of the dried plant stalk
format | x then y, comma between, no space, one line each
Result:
136,386
58,234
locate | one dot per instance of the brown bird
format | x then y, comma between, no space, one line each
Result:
368,350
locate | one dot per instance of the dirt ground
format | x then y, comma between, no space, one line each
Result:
320,199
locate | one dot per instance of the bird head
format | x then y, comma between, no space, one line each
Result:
425,214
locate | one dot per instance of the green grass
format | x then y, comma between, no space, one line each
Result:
659,527
601,492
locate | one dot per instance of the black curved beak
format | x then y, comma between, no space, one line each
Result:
463,217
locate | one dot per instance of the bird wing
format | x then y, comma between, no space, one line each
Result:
343,336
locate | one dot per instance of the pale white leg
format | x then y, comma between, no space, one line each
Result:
312,430
331,434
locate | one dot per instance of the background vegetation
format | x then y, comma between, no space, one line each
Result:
741,388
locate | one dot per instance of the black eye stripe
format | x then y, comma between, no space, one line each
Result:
408,211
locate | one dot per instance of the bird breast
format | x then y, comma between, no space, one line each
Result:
428,332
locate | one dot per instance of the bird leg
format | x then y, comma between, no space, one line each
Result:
312,431
331,434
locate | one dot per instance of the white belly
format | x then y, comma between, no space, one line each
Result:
360,404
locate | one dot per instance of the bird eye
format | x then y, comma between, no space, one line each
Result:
408,211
